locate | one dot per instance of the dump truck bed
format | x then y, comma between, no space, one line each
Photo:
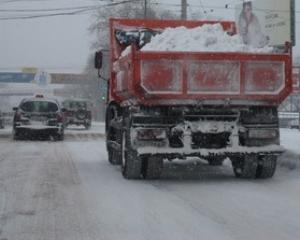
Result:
160,78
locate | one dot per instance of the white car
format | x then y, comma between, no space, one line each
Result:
38,116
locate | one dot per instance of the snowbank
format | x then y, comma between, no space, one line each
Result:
207,38
290,138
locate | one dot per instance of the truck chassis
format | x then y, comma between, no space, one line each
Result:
140,138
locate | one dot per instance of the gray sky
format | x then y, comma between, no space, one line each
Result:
54,43
62,43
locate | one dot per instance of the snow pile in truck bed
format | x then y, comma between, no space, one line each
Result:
207,38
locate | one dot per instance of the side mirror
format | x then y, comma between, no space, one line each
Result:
63,110
98,60
15,108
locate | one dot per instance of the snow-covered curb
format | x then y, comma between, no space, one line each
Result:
289,160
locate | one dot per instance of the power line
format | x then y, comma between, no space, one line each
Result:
226,6
81,10
202,6
48,10
184,9
91,8
220,7
24,1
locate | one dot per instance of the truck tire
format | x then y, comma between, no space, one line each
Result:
152,167
266,167
16,135
131,162
115,156
245,166
113,134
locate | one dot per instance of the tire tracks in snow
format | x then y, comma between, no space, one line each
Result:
41,194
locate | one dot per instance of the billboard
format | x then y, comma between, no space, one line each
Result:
12,77
32,70
67,78
266,22
41,78
296,80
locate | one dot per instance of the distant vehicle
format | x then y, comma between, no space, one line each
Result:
294,124
78,112
38,116
1,120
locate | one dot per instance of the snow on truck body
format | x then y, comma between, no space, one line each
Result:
167,104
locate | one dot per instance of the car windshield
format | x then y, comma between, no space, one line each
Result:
39,106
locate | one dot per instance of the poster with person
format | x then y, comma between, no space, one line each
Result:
265,22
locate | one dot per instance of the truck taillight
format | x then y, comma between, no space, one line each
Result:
264,77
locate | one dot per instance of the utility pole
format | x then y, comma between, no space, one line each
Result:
145,8
183,9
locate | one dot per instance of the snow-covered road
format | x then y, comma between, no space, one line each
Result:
51,190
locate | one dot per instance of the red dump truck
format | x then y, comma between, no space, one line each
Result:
174,105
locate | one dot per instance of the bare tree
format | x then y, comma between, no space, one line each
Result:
96,88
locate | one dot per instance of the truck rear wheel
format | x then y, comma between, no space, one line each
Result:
114,155
245,166
131,162
16,135
266,167
152,167
113,135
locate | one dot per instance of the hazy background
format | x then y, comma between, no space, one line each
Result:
62,43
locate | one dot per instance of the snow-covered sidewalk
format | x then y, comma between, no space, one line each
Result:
290,139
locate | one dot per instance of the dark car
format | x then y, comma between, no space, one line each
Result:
77,112
1,120
38,116
294,124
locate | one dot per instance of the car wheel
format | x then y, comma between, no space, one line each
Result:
16,135
59,136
